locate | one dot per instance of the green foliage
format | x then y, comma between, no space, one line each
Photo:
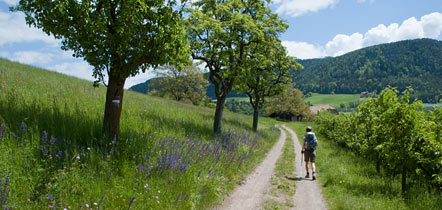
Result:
349,181
269,71
45,173
414,63
393,133
290,102
180,84
221,34
126,35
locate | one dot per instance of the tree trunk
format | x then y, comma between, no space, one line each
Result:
219,114
255,117
404,180
112,110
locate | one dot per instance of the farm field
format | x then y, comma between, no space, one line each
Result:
334,100
53,154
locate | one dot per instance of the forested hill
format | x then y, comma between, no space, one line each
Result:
416,63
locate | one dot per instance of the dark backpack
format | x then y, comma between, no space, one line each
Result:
311,141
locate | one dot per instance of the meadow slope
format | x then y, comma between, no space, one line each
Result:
53,154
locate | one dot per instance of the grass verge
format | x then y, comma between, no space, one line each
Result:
283,184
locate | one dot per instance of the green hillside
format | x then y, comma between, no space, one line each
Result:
53,154
414,63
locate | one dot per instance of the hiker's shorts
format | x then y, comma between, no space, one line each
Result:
309,155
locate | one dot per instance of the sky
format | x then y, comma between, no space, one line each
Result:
317,28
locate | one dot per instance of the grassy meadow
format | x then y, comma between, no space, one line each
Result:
53,154
348,181
334,100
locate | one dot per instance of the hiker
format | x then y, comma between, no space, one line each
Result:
309,150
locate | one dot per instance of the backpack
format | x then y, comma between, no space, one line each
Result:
311,141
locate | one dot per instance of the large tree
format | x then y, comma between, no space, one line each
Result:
119,38
220,34
289,102
187,83
269,70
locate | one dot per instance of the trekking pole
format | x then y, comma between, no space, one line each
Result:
302,156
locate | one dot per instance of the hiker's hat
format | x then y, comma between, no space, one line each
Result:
309,128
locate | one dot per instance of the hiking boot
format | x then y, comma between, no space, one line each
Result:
313,176
307,176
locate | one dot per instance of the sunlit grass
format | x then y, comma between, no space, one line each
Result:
81,167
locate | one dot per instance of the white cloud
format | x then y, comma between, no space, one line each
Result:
11,2
363,1
79,69
15,30
4,54
139,78
342,44
296,8
303,50
32,57
429,26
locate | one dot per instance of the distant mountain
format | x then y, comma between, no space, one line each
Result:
416,63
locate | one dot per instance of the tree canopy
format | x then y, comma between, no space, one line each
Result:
220,34
188,83
118,38
269,69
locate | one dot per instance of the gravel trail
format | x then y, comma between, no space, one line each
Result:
251,193
308,194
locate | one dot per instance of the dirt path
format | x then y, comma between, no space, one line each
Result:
308,194
250,194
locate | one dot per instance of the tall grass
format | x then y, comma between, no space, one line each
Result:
54,154
349,181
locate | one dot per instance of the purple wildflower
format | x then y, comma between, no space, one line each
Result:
101,202
1,132
185,198
78,157
23,127
50,196
44,137
198,175
53,140
177,198
131,202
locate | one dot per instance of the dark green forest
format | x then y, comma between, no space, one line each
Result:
416,63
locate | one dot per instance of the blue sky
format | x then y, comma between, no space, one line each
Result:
318,28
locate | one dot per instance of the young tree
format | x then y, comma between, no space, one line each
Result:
186,83
118,38
269,71
220,34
